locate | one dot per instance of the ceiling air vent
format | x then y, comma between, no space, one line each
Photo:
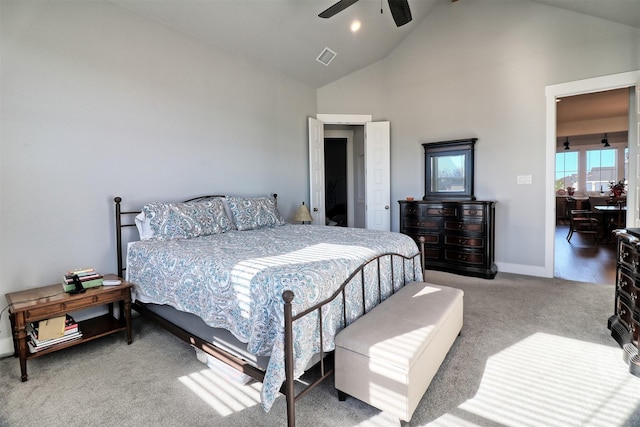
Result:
326,56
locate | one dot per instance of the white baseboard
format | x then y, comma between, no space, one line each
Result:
6,347
527,270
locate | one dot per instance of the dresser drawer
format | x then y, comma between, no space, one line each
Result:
469,258
429,239
463,241
424,224
627,283
624,312
475,227
628,256
431,253
472,211
440,210
410,210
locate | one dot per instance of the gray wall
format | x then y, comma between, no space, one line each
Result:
479,69
98,102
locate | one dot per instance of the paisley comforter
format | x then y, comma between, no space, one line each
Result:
234,280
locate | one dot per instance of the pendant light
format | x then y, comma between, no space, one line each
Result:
566,144
605,141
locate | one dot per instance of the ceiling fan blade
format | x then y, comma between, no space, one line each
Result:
338,7
400,11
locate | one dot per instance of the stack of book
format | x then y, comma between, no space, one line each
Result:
88,277
45,333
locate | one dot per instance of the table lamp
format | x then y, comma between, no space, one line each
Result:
302,214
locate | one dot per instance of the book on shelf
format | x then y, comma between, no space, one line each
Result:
47,343
40,334
68,330
34,346
36,342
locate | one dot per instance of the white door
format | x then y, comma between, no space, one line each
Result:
377,158
316,171
633,214
377,169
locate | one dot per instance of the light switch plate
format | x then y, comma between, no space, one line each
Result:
524,179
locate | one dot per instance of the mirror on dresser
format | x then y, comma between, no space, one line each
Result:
448,170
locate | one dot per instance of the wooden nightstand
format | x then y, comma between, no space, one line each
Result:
50,301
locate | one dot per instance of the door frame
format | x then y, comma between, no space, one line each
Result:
596,84
349,120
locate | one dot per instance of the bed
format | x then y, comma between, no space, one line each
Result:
228,275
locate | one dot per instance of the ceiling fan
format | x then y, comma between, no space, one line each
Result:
399,10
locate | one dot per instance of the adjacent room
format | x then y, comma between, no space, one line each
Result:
322,212
592,159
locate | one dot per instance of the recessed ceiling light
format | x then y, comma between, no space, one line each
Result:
355,26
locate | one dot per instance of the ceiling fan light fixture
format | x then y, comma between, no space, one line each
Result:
326,56
400,10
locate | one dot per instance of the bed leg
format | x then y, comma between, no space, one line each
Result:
342,396
288,358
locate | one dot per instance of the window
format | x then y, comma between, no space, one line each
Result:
566,170
601,169
589,169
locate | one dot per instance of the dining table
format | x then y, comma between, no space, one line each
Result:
611,213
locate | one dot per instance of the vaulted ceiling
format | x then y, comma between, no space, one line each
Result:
288,35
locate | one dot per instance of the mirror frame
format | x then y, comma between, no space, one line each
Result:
457,147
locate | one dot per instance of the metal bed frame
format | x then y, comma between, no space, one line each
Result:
288,388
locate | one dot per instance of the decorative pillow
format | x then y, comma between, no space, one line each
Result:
183,220
250,213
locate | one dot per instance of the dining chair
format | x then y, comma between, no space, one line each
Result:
583,221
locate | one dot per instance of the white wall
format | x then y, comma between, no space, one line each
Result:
98,102
479,69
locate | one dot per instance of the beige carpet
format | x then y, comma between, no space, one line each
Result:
532,352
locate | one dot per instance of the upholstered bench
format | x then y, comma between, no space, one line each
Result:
388,357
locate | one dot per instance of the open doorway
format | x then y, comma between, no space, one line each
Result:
592,141
335,175
342,177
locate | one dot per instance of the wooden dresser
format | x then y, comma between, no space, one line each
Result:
459,235
625,321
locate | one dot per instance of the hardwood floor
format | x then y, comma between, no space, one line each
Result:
583,261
